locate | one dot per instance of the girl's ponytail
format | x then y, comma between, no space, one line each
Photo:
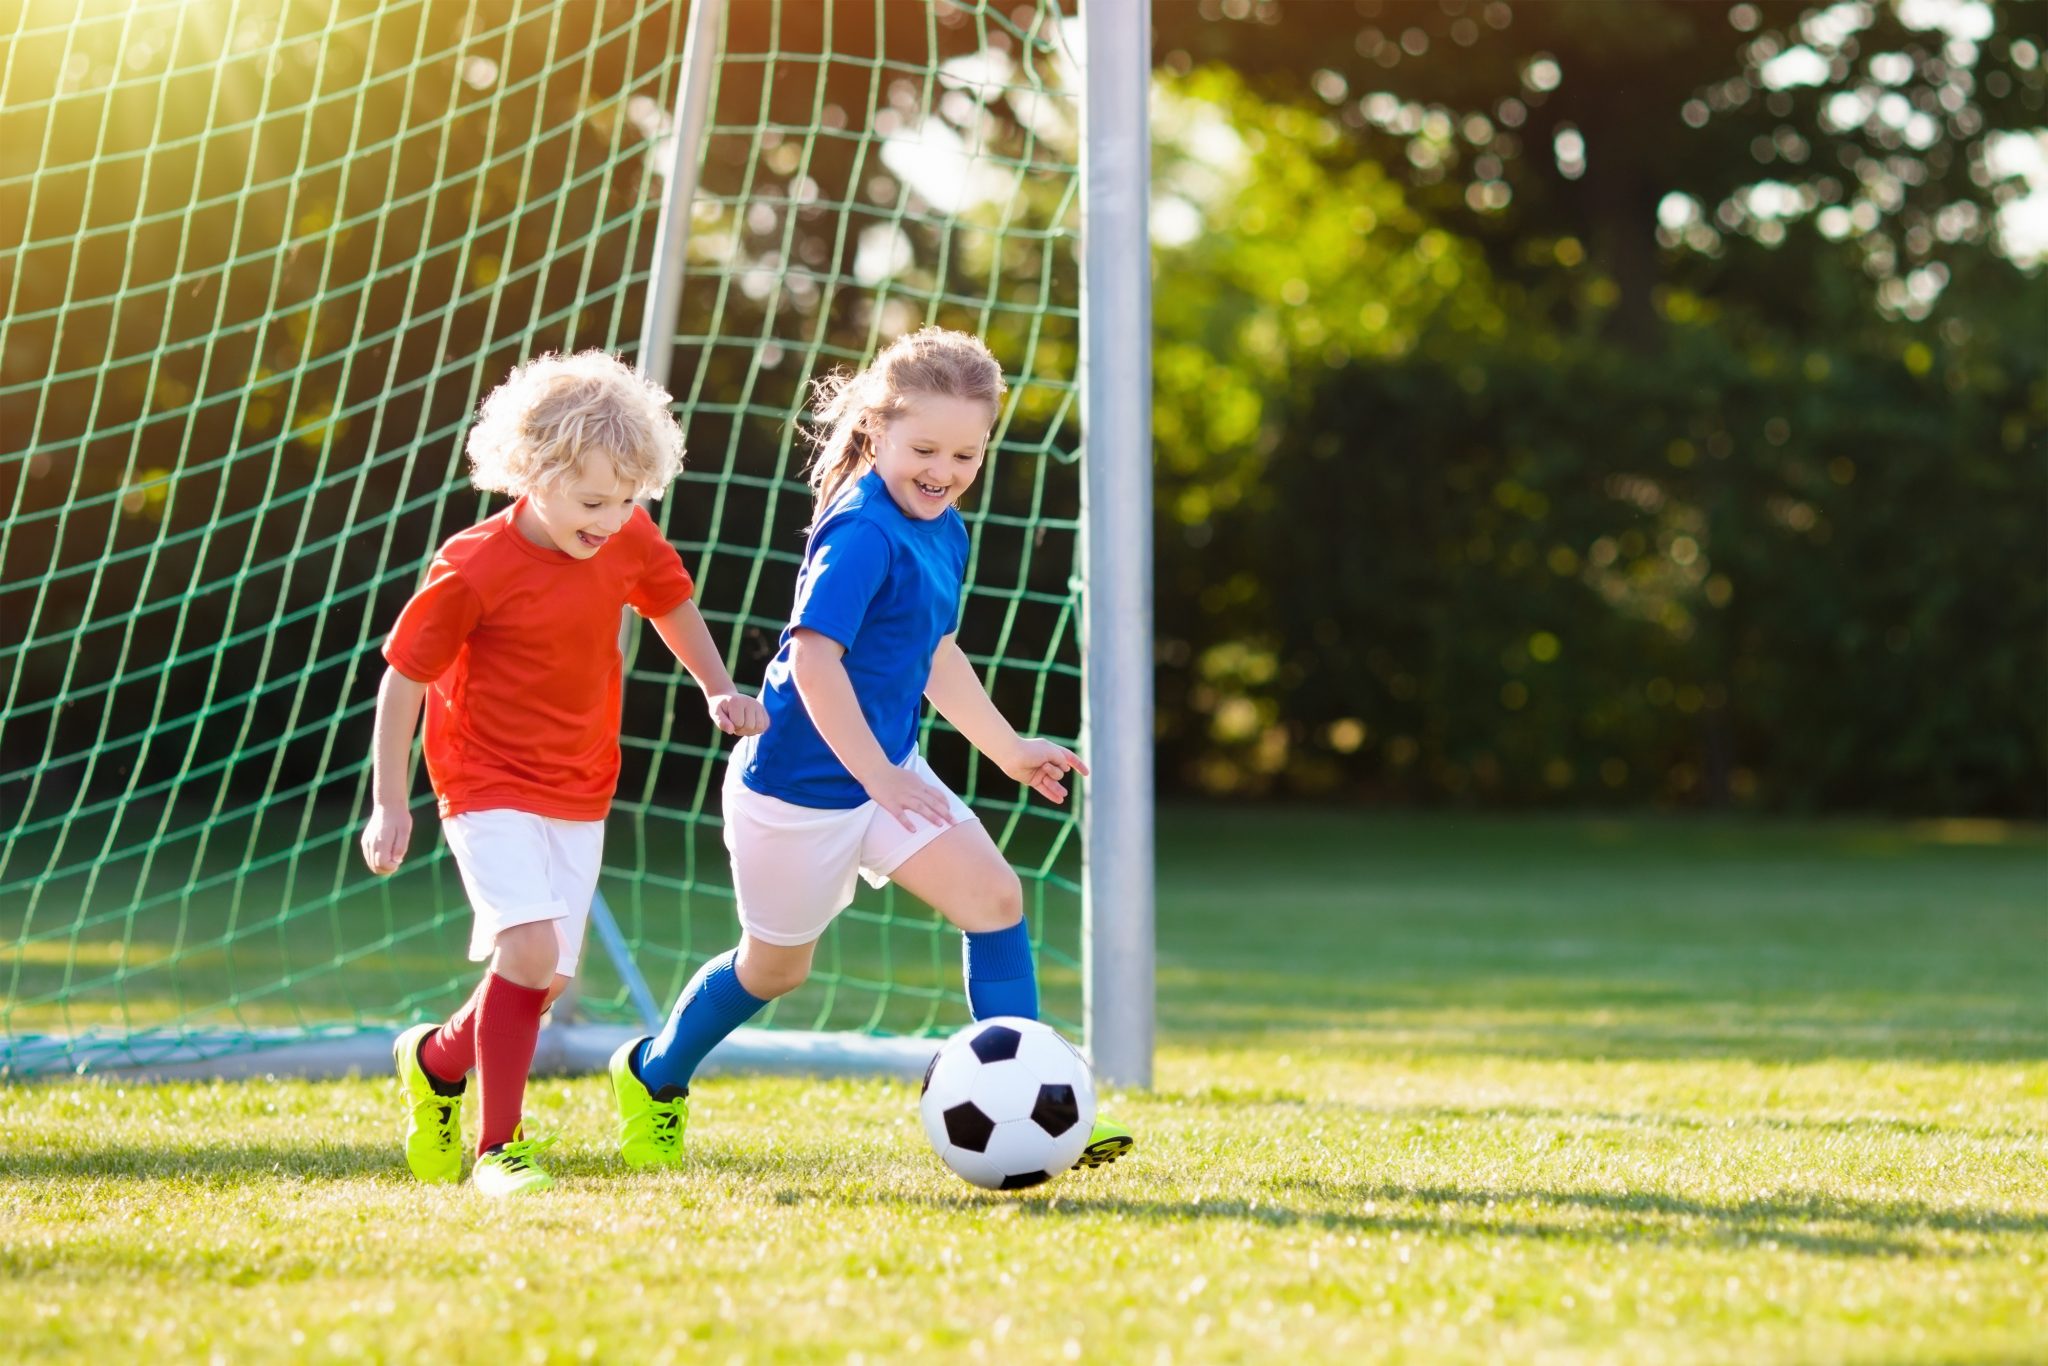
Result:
839,435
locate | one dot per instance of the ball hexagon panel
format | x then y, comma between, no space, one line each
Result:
1021,1145
1004,1090
974,1168
951,1079
1050,1057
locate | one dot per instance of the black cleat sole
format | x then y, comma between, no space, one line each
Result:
1104,1152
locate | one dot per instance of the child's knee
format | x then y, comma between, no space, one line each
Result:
768,972
996,905
770,980
1009,899
526,954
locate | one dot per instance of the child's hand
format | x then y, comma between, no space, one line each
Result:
1040,765
737,714
386,838
903,795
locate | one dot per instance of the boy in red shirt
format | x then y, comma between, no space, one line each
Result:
512,646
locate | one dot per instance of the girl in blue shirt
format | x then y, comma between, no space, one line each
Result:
835,787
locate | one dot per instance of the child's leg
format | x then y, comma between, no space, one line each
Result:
726,993
793,870
651,1077
508,1025
964,877
449,1053
529,880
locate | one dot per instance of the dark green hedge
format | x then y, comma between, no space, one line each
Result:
1805,578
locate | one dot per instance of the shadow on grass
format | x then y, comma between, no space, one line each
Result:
1818,1224
1581,1120
250,1163
228,1162
1786,1218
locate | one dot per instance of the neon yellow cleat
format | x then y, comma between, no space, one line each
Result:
433,1127
650,1130
510,1169
1106,1144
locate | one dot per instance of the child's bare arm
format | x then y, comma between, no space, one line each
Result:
389,831
689,640
820,671
955,689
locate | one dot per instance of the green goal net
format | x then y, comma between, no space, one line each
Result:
260,261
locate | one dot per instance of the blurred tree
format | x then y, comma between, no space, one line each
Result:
1464,542
1556,133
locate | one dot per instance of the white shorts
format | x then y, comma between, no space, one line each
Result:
518,868
793,866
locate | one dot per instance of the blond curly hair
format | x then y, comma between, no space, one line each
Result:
554,413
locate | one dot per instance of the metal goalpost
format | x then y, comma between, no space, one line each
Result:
1116,415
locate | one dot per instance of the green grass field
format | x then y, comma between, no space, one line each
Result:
1429,1089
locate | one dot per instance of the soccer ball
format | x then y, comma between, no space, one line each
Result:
1008,1103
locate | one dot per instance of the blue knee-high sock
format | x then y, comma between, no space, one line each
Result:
711,1007
1001,978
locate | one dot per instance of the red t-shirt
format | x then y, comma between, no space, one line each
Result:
519,644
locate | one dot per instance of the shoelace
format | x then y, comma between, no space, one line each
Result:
667,1118
518,1155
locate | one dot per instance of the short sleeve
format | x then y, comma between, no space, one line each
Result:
960,553
664,584
846,566
433,626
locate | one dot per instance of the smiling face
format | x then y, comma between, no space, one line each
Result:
931,451
579,512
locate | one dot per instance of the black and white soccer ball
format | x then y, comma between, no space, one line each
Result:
1008,1103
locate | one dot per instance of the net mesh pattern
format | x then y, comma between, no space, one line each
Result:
261,261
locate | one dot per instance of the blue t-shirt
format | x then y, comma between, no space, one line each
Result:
886,587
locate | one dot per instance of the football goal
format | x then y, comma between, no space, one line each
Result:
261,259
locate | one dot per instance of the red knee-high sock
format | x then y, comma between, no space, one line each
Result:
450,1051
507,1026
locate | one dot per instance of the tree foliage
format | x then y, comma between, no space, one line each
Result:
1606,502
